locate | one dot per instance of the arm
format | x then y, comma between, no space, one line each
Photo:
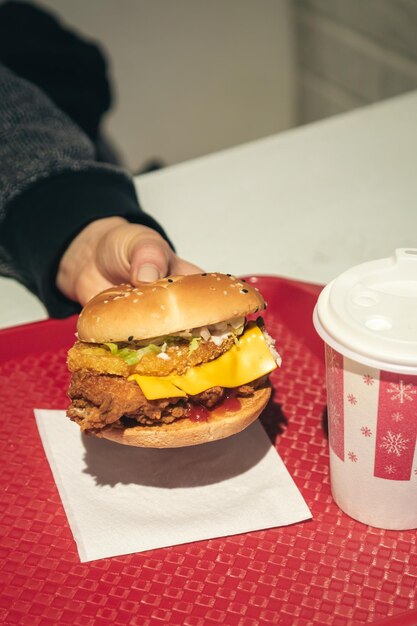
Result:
54,197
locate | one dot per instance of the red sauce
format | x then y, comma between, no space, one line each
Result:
199,413
230,403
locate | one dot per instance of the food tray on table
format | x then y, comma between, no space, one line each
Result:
328,570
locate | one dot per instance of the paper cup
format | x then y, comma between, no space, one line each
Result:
368,320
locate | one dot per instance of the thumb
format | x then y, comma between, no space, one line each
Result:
149,260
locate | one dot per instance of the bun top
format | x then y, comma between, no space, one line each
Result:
170,305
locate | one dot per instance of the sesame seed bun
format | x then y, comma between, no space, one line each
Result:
186,432
126,313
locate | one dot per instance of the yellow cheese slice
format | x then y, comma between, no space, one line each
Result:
244,362
155,387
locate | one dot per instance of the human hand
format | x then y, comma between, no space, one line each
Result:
111,251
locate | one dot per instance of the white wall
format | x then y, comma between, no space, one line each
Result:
192,76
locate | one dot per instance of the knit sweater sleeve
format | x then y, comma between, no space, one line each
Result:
51,187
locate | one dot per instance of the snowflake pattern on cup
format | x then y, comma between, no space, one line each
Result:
401,391
397,416
396,426
368,380
392,436
394,443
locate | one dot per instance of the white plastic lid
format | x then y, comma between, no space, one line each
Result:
369,313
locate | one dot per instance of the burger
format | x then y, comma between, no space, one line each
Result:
171,363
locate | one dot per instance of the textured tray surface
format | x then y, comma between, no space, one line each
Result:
331,570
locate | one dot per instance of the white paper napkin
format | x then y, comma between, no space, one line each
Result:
120,499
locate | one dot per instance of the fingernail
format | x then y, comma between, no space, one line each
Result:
148,273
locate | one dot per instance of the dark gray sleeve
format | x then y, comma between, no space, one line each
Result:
37,140
51,187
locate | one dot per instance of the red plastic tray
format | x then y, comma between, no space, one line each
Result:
330,570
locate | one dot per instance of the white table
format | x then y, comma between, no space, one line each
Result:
306,204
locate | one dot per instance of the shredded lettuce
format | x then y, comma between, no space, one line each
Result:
194,343
132,356
174,339
129,356
113,347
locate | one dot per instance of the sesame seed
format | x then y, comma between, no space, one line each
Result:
162,307
106,301
225,293
244,291
130,338
135,300
170,280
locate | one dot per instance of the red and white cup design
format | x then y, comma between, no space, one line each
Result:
367,318
372,419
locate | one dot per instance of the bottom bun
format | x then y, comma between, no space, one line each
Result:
185,432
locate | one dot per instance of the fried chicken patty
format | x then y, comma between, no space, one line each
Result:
98,400
98,358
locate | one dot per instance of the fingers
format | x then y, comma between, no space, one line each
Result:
149,259
146,273
111,251
89,283
80,273
132,253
